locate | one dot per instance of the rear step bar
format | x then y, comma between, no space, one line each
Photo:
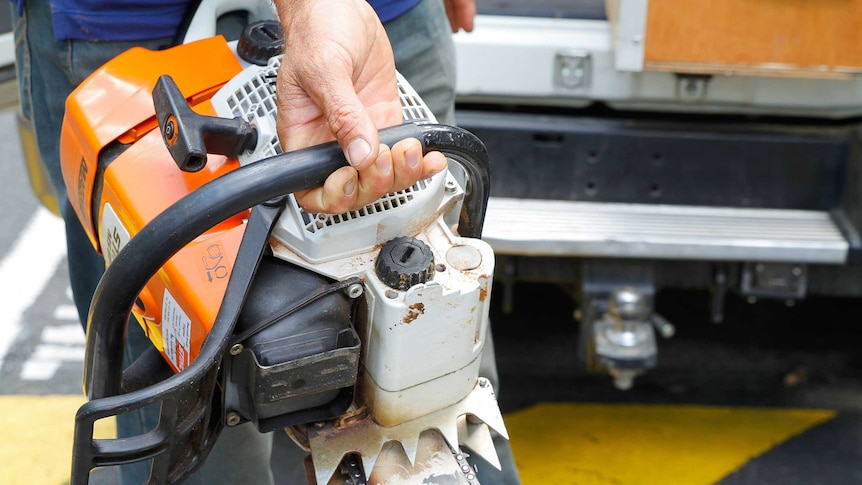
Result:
594,229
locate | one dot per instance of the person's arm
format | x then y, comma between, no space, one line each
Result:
337,80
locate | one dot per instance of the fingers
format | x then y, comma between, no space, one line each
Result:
337,80
393,170
337,196
411,166
461,14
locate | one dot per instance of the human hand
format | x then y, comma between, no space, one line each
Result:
461,14
337,80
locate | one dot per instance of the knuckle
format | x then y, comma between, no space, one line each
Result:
343,119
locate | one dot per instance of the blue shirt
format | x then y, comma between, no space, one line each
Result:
132,20
391,9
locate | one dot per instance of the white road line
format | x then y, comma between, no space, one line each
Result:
39,370
71,334
26,269
63,343
58,352
66,312
45,361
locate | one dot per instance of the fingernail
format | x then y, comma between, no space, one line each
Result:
357,151
349,187
413,157
384,165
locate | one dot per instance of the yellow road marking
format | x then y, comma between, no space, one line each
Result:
583,444
560,444
36,444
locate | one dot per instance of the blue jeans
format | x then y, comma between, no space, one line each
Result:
48,71
425,55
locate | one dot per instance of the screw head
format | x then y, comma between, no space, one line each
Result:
170,129
232,419
355,290
236,349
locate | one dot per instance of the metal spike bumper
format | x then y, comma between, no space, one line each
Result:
468,422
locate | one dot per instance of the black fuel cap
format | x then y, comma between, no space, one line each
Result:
260,40
404,262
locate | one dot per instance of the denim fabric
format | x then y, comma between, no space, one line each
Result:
425,55
48,71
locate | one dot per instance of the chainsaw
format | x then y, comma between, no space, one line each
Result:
358,334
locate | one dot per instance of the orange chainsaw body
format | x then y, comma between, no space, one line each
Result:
112,151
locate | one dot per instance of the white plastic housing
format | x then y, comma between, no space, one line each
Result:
325,237
422,346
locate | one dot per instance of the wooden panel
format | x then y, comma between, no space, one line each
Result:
815,38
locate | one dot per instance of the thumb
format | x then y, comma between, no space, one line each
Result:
350,123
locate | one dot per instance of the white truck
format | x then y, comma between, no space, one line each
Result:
644,144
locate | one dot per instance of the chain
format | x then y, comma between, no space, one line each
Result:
351,467
467,470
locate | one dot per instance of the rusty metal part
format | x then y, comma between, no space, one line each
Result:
403,446
351,417
299,436
436,463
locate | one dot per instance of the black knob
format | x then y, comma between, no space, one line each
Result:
260,41
404,262
189,136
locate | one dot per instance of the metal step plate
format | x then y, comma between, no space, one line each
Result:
591,229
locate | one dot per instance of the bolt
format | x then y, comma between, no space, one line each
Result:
355,290
797,271
236,349
169,129
451,185
752,300
759,268
790,303
233,419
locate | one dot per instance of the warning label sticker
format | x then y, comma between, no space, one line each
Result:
113,234
176,332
